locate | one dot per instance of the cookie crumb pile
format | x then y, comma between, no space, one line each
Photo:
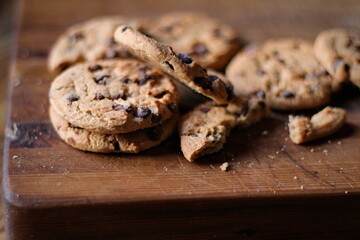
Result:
114,90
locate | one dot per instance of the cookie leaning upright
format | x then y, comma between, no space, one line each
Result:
88,41
208,41
285,71
113,96
180,66
339,51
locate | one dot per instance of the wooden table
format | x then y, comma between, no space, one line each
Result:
275,189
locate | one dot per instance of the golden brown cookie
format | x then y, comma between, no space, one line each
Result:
285,72
209,42
88,41
180,66
113,96
132,142
204,130
324,123
339,51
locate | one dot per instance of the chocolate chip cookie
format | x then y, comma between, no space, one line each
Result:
324,123
132,142
208,41
113,96
181,66
204,130
339,51
88,41
283,71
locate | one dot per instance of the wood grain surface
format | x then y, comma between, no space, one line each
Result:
275,189
6,35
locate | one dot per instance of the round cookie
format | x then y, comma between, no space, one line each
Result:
285,72
113,96
88,41
209,42
339,51
180,66
132,142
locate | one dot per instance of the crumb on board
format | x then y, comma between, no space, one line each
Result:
325,151
302,158
302,187
295,178
312,150
339,142
329,141
265,133
271,156
212,166
277,152
346,192
225,167
15,157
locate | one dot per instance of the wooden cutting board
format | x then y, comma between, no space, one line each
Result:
275,189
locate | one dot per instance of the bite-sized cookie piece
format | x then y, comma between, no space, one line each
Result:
180,66
204,130
88,41
208,41
132,142
113,96
324,123
339,51
285,72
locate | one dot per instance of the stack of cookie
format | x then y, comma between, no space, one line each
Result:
115,90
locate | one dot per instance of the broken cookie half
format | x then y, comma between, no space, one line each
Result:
324,123
204,130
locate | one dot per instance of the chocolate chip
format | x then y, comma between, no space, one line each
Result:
99,96
213,78
160,95
125,80
185,58
261,72
142,112
73,126
118,96
76,36
167,28
287,94
125,28
220,105
122,107
155,118
155,133
204,110
73,97
172,106
244,110
144,79
230,92
203,82
101,79
200,49
111,53
219,34
95,67
143,68
116,145
259,94
169,65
